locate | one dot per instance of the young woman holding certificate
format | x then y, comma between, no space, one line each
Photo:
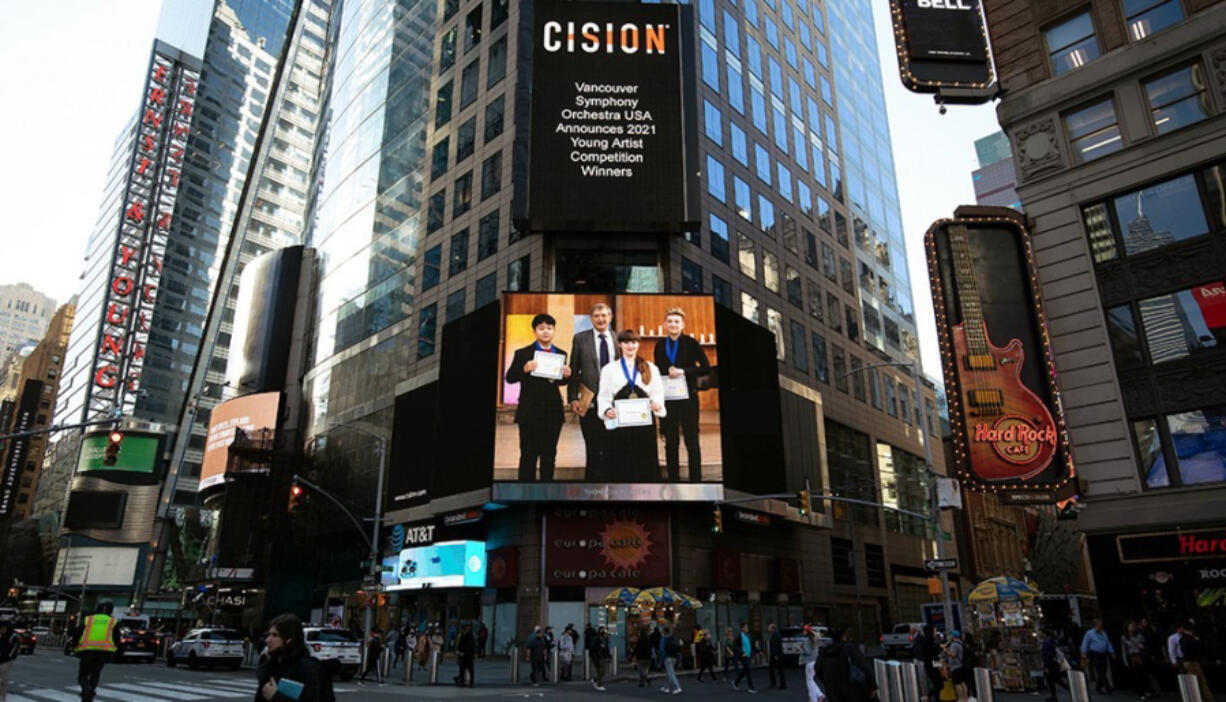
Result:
631,397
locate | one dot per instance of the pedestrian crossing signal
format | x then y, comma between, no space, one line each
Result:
113,440
718,526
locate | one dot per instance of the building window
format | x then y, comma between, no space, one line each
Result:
487,290
1093,131
472,29
493,118
794,286
437,211
766,215
774,322
1177,98
1071,44
721,290
1180,324
834,312
446,50
749,307
455,305
829,264
517,274
1160,214
839,367
469,80
426,326
742,199
691,276
466,140
740,145
719,239
816,308
1144,17
717,184
497,69
487,237
432,264
846,276
499,11
746,257
442,105
712,122
438,159
857,379
762,163
1122,330
842,561
853,322
458,260
1149,451
450,7
819,358
491,175
874,388
874,565
891,398
462,200
770,271
800,353
1193,440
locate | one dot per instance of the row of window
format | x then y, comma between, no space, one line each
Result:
457,247
462,193
1184,448
485,292
470,81
1072,42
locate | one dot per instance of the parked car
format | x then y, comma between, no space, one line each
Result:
26,640
898,640
339,645
136,640
41,631
794,641
208,647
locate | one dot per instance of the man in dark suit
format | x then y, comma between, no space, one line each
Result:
680,355
539,414
590,351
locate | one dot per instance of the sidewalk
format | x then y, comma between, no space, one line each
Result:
496,672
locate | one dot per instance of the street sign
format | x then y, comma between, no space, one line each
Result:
941,564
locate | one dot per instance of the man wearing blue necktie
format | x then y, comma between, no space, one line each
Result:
592,350
681,359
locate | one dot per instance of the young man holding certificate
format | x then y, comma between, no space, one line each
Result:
540,369
631,397
682,361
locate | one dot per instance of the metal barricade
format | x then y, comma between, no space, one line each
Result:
881,670
910,683
587,665
920,671
554,670
514,664
1077,686
894,681
983,685
434,661
1189,688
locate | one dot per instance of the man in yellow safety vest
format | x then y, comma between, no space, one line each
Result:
97,640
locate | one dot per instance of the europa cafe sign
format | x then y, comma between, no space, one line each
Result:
145,223
1004,406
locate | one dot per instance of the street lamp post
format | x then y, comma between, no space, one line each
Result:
933,493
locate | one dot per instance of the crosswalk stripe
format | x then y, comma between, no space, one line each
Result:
55,695
243,685
178,695
201,690
130,693
14,697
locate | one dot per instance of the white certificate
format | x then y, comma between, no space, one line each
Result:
676,388
633,412
548,365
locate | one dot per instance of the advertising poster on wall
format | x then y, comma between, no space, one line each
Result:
608,389
941,44
255,416
607,546
1004,406
607,136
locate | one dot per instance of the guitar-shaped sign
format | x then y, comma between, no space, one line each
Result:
1010,431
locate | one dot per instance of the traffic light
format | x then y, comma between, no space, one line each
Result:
717,527
113,440
803,495
295,498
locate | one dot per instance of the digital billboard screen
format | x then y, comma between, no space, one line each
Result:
607,136
253,415
447,564
605,389
941,44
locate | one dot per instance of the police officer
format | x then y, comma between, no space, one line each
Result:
97,640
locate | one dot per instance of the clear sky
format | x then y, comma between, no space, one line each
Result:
71,73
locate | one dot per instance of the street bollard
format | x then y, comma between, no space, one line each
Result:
983,685
894,680
434,661
881,671
385,664
1077,686
554,671
587,665
694,656
514,664
910,683
719,657
613,652
1189,688
409,659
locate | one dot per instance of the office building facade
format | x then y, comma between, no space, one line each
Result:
995,181
1115,114
24,316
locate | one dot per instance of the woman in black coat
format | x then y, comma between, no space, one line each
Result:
835,668
287,664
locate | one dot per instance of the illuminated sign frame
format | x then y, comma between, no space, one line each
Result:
919,74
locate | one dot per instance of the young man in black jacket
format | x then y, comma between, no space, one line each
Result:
680,356
9,643
539,414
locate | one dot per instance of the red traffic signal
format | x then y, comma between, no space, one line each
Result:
295,498
113,441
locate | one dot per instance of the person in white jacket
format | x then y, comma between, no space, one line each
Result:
808,658
633,444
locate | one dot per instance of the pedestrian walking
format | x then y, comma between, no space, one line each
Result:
642,655
730,644
466,653
483,637
424,644
1096,648
400,646
670,648
550,644
704,649
1193,653
656,663
1132,655
566,651
600,657
843,672
374,651
9,645
537,647
809,649
924,649
287,672
955,660
744,661
97,639
1055,664
774,652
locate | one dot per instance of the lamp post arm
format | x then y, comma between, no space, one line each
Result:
331,498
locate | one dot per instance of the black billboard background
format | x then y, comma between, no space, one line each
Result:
941,47
269,292
751,422
560,196
1002,267
25,410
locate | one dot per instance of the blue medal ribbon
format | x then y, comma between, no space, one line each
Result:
670,349
537,345
630,378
